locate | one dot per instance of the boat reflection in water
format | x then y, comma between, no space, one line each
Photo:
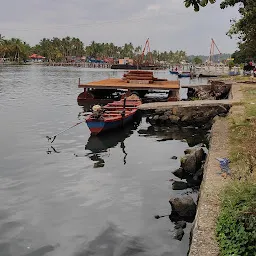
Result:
101,143
191,135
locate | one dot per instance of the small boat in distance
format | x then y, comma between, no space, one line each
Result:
184,74
173,72
113,115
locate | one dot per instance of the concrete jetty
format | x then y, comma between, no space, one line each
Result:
149,107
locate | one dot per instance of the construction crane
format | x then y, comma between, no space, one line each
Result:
213,45
146,47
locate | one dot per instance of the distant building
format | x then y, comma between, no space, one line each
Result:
37,58
125,61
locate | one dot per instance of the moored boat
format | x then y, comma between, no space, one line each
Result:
184,74
113,115
174,72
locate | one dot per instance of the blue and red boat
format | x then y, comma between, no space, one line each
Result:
113,115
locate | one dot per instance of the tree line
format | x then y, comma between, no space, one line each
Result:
59,49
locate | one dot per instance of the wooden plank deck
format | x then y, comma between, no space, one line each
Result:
117,83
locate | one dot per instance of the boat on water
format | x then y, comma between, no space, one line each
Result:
136,67
114,115
173,72
184,74
207,75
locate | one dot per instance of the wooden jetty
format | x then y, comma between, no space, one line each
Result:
141,82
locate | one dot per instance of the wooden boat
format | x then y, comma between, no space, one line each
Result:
207,75
174,72
184,74
113,115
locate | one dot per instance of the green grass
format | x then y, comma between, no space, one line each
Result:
236,225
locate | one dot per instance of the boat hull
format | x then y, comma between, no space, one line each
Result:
174,72
135,67
184,75
100,126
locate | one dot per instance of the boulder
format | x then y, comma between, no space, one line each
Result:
174,119
199,174
174,157
179,185
180,224
200,156
180,173
184,206
168,113
99,164
188,163
188,151
192,161
163,118
179,234
159,111
186,118
156,117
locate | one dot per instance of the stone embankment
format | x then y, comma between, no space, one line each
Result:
194,168
190,174
197,113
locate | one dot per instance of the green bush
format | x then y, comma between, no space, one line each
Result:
236,225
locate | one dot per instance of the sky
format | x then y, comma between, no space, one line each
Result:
167,23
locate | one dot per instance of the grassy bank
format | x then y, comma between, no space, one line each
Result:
236,227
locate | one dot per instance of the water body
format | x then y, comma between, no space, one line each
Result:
81,195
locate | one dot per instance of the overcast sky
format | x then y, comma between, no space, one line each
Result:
168,24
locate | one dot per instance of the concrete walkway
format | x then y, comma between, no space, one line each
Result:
203,240
196,103
235,97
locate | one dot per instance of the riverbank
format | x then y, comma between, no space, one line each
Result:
227,120
231,137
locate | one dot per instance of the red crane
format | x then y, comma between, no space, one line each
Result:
213,45
146,47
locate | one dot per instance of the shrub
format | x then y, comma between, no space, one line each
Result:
236,225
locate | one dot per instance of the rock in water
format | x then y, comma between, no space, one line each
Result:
192,161
188,163
180,173
179,185
174,157
179,234
184,206
200,156
180,224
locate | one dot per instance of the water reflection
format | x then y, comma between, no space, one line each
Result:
52,150
191,135
111,241
101,143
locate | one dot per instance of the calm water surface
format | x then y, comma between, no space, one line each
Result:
80,195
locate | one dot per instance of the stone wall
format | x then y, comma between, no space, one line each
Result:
215,90
187,115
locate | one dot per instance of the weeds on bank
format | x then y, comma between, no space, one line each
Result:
236,225
243,139
237,221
